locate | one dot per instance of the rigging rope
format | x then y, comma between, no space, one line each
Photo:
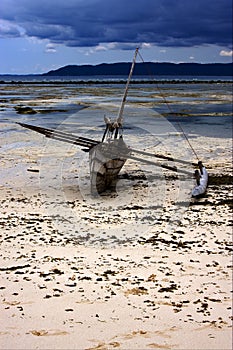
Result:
169,108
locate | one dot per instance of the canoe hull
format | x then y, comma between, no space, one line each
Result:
105,165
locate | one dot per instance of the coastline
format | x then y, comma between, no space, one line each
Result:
113,80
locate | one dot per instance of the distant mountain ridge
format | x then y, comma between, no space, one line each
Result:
145,68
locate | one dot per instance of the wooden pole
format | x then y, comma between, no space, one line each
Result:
156,155
119,118
51,133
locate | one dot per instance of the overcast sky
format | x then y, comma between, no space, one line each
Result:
39,35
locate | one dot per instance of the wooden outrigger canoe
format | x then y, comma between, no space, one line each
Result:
108,156
106,159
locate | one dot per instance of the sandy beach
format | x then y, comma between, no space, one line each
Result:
112,273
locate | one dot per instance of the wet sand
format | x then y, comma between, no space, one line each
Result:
168,289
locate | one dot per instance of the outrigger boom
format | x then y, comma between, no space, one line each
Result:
115,151
62,136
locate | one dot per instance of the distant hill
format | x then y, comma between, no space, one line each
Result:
146,68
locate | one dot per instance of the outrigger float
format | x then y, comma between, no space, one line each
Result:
201,176
108,156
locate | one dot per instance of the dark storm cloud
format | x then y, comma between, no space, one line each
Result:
90,22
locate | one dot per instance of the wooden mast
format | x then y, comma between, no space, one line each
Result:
115,125
120,114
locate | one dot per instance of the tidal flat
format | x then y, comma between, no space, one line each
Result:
144,267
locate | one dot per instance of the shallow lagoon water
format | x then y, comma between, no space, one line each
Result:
199,108
204,125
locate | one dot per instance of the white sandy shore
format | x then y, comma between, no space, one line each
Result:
166,289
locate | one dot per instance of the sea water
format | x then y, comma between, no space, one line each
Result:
198,107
